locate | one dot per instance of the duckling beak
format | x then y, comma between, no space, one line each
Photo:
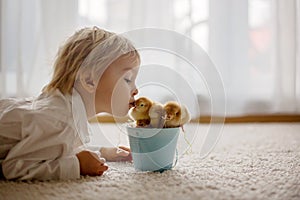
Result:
169,117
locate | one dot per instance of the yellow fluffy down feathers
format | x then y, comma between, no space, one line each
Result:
151,114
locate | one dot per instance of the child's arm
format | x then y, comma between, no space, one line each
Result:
45,151
114,154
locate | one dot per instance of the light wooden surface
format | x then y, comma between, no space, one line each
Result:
208,119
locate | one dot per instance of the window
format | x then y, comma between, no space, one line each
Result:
191,19
253,43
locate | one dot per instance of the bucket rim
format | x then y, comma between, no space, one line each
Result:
150,132
141,128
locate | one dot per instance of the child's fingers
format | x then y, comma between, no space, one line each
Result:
125,148
123,153
100,173
97,155
102,160
101,169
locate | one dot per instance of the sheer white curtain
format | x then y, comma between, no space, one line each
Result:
31,32
297,74
287,78
254,44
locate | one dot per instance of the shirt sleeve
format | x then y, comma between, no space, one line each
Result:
45,152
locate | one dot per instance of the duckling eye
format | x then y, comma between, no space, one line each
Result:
142,105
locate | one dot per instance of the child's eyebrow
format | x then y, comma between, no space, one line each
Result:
127,68
130,69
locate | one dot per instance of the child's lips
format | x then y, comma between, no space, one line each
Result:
131,104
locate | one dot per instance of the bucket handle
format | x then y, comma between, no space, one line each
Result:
176,158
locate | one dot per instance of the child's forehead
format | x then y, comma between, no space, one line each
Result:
126,63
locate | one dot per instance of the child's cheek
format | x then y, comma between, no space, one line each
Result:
120,99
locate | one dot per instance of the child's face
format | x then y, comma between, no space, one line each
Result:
116,88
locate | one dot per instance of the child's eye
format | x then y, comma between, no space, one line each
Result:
127,80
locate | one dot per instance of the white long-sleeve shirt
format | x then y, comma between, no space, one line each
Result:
39,137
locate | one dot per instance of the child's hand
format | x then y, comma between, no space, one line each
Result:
116,154
91,164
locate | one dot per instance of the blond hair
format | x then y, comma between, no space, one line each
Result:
86,48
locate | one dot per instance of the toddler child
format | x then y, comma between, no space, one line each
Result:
45,137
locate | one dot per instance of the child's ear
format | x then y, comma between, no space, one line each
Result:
87,81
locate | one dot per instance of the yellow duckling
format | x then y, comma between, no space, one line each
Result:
175,115
140,112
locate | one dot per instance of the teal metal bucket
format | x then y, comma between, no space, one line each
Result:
153,149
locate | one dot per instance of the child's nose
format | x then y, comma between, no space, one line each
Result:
134,92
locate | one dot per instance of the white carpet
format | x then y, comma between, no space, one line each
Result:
251,161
